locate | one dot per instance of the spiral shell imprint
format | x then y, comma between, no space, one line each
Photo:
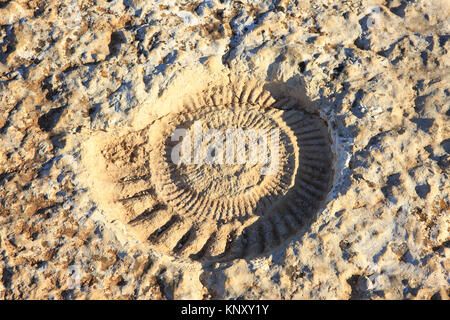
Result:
227,194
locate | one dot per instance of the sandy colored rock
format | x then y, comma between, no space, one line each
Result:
78,78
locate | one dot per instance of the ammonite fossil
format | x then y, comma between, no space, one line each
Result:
220,203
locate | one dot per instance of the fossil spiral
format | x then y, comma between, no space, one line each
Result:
231,206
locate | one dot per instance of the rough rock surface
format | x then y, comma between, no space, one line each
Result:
377,71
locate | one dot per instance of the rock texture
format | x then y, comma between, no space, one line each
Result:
377,72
